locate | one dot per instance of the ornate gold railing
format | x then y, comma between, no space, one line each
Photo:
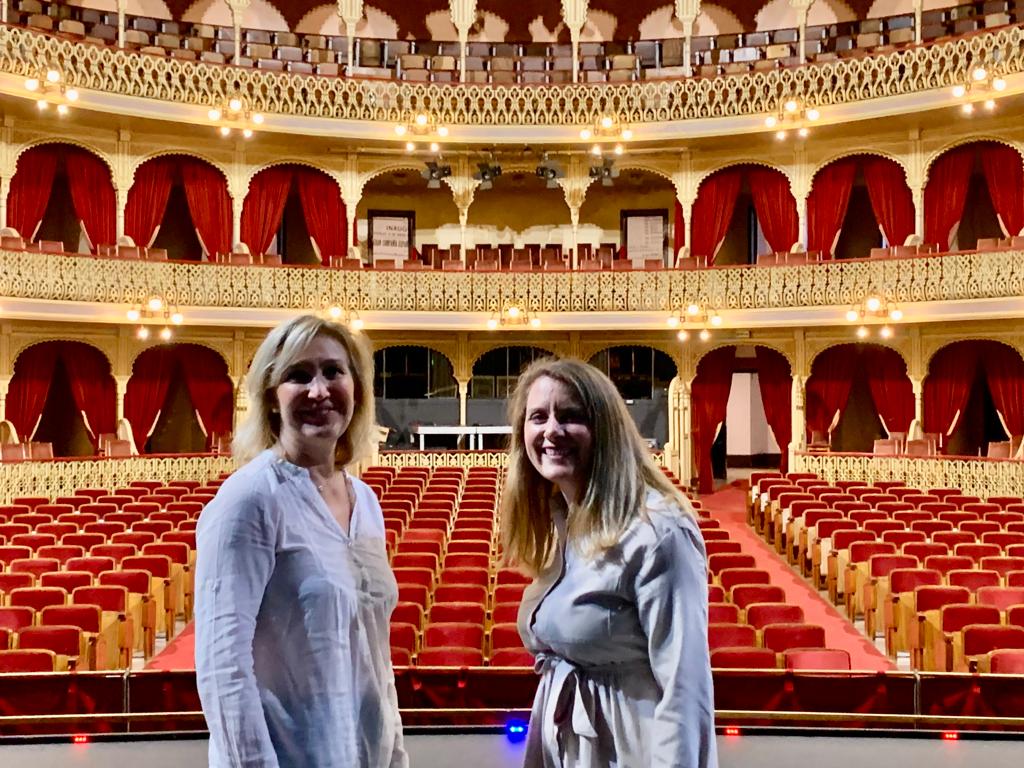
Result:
63,478
975,477
896,73
57,277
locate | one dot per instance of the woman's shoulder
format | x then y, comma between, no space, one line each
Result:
246,488
664,516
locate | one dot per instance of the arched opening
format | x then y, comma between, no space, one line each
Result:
179,399
741,212
642,376
181,204
62,193
414,385
858,203
974,396
62,393
626,207
750,387
974,192
297,213
856,394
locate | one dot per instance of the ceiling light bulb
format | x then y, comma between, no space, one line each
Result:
334,312
214,114
716,320
492,323
434,146
790,106
618,149
257,118
803,133
356,324
693,309
979,73
606,122
62,109
683,335
596,150
862,332
156,303
52,76
585,134
177,318
165,333
142,333
247,133
873,303
442,131
32,84
705,334
673,321
421,119
968,108
813,114
235,104
400,130
513,311
999,84
959,91
42,105
896,314
410,146
535,322
71,94
771,121
225,131
627,133
886,332
990,104
852,315
133,315
780,135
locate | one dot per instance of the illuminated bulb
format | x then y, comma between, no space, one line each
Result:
979,74
999,84
133,315
247,133
780,135
990,104
235,104
683,335
214,114
886,332
851,315
442,131
959,91
513,311
896,315
43,105
595,150
32,84
165,333
357,324
873,303
813,114
606,122
585,134
71,94
968,108
142,333
257,118
492,324
673,321
156,303
627,133
790,106
693,309
716,320
52,76
802,133
434,146
535,322
225,131
618,149
334,312
770,121
62,109
177,318
410,146
421,119
400,130
862,332
705,334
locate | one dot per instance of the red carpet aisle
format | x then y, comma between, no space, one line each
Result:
728,506
179,653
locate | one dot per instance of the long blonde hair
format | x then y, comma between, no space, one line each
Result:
621,472
278,352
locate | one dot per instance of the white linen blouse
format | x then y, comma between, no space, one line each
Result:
621,645
292,626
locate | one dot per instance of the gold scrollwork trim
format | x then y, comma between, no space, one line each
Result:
896,73
56,277
975,477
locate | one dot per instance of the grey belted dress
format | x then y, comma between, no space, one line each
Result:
621,645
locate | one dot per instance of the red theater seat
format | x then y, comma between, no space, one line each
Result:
453,635
450,657
743,658
511,657
24,660
831,659
730,636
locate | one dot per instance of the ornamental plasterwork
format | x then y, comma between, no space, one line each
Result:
816,345
932,342
176,81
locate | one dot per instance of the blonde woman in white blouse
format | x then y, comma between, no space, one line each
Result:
617,612
293,588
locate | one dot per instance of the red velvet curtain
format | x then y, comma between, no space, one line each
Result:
709,398
264,206
891,390
891,200
147,199
948,385
26,396
207,193
208,385
712,211
30,189
92,386
678,229
776,208
147,391
828,387
945,194
92,193
1004,370
325,213
1004,175
826,206
776,383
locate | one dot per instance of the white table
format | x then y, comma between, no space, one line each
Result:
475,433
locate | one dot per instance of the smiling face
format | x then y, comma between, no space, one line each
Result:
316,396
558,437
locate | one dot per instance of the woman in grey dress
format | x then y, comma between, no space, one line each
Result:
293,588
617,612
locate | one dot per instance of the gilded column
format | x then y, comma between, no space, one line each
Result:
5,385
121,384
463,400
918,13
122,7
238,8
463,187
798,415
241,400
5,188
351,13
574,14
686,434
351,183
574,186
801,7
687,12
463,13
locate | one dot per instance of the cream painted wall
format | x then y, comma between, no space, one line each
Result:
377,24
661,24
716,21
323,20
747,430
440,25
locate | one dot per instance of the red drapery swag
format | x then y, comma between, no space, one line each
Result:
26,396
712,211
947,387
264,206
147,391
92,194
147,199
776,208
1004,370
945,194
890,197
710,398
206,191
208,385
826,206
776,384
891,390
92,386
828,387
325,213
1004,176
678,229
30,190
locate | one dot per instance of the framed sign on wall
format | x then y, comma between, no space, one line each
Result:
644,232
391,234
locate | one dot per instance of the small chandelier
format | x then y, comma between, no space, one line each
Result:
691,317
154,311
422,126
792,114
874,309
235,113
985,84
607,128
513,314
349,317
50,85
